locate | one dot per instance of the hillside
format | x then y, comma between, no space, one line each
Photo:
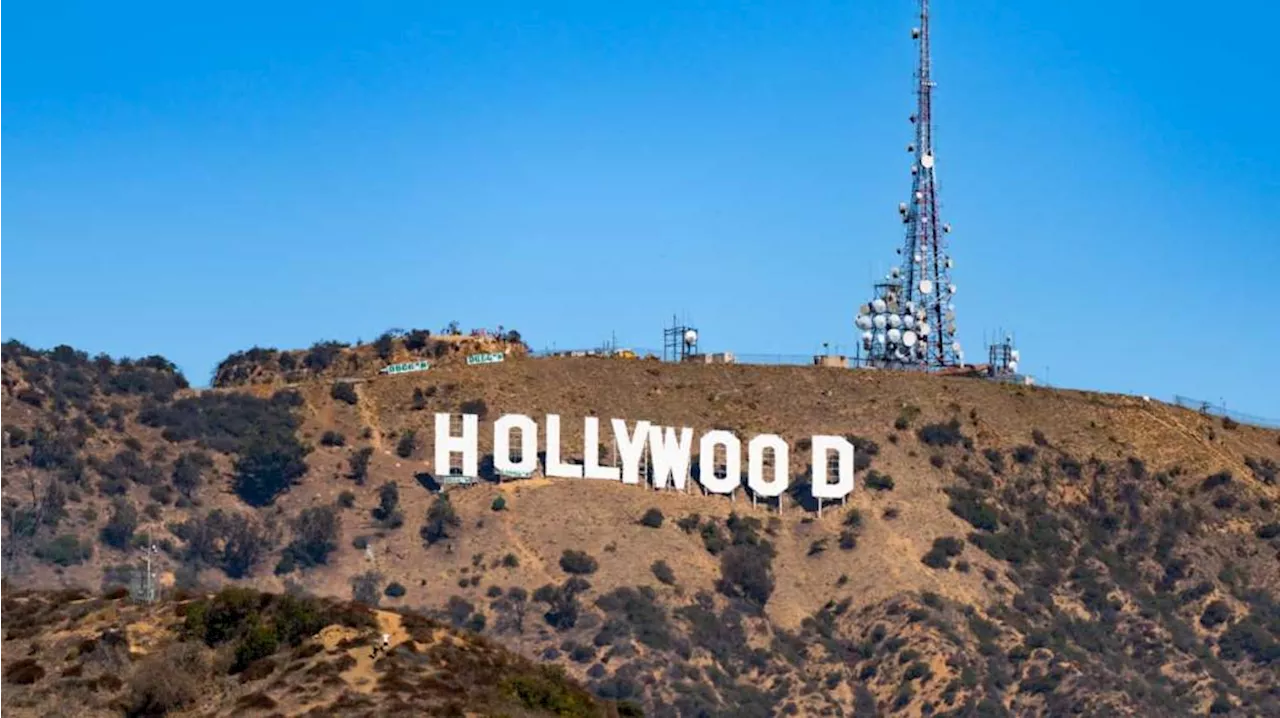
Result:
1009,550
243,653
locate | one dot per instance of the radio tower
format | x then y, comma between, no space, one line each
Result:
911,321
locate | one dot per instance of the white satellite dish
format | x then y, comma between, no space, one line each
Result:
902,207
955,347
880,321
909,338
894,335
1015,355
690,337
951,288
946,227
863,321
895,320
948,263
919,196
915,170
927,161
1013,366
866,337
895,271
864,309
878,305
915,33
926,286
908,321
880,338
918,258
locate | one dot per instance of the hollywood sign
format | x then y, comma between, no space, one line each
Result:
669,451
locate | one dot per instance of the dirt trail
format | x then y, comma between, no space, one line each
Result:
368,415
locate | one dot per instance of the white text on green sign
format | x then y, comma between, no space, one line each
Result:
406,367
493,358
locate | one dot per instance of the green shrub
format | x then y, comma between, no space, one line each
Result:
344,392
652,518
577,562
395,589
663,572
878,481
64,550
947,434
406,445
333,438
499,503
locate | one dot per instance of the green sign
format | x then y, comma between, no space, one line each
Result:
516,474
405,367
493,358
457,480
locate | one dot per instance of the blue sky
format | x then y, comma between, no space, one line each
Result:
194,179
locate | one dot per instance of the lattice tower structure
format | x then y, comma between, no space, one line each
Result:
910,323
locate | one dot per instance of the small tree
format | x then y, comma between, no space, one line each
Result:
388,509
440,519
189,471
123,522
652,518
499,504
366,588
360,465
345,391
407,443
577,562
268,466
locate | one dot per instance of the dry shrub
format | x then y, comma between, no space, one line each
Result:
168,681
24,672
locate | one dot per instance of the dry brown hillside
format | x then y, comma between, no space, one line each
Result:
242,653
1008,551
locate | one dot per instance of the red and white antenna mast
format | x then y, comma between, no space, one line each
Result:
911,322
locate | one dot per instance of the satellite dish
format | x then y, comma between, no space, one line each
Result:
1013,366
914,169
927,161
1015,355
690,337
946,227
955,347
880,338
878,305
951,288
894,336
863,321
919,196
880,321
909,338
866,337
895,272
911,148
908,321
895,320
915,33
918,258
864,309
926,286
902,207
948,263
